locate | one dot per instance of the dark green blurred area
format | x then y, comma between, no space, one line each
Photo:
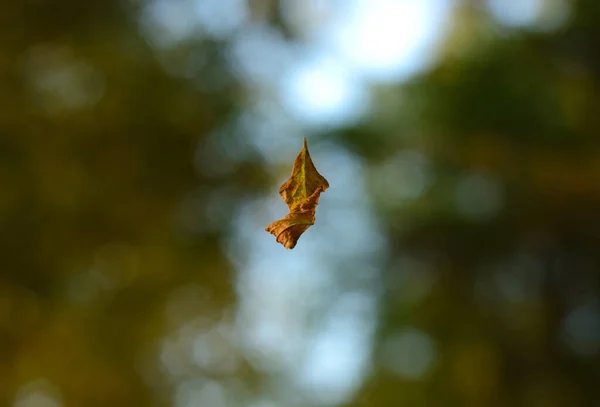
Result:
99,147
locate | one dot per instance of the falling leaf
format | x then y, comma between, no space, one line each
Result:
301,194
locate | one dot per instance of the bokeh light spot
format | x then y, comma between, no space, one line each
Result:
581,330
478,197
543,14
38,393
410,354
58,82
322,91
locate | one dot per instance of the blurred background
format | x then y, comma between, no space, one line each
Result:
454,261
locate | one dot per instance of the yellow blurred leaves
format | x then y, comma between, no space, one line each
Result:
301,194
63,351
475,372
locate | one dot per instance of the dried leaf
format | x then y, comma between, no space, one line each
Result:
301,194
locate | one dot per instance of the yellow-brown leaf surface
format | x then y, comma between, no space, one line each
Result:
301,194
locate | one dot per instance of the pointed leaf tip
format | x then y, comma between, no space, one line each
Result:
301,193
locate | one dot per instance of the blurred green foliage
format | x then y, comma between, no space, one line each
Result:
92,179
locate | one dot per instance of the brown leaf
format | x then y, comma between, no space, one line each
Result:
301,194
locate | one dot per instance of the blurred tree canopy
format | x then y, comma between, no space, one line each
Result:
104,133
